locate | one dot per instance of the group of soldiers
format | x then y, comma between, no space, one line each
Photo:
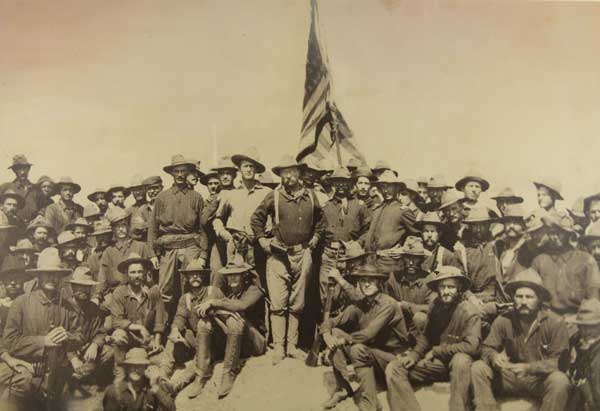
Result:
405,283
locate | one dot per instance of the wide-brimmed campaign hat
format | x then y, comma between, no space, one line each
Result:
287,161
39,221
438,181
45,179
194,266
513,211
233,267
353,163
431,217
533,220
134,258
136,356
14,265
24,245
577,210
266,179
588,313
339,174
369,270
389,177
447,271
19,160
137,182
551,184
472,175
353,251
83,276
115,215
451,197
381,166
507,194
225,164
152,180
92,195
49,262
66,238
363,171
212,173
80,222
10,193
251,155
587,202
68,181
560,219
91,210
315,166
102,227
179,160
414,246
412,186
592,232
531,279
117,187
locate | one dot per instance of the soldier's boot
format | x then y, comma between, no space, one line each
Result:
278,330
180,379
230,364
292,337
334,400
203,359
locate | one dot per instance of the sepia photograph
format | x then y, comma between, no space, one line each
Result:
299,205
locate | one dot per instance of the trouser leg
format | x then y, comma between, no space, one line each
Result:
482,377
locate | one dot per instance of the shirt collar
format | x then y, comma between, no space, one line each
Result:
294,197
65,206
123,244
131,294
176,189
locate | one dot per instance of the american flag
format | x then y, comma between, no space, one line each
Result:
318,108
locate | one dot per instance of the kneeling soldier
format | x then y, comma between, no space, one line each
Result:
140,390
522,350
453,336
236,315
378,332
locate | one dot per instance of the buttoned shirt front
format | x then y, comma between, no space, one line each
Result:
237,206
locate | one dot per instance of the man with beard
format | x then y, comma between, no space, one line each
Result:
472,185
591,241
40,232
237,314
548,192
141,388
184,331
431,228
297,228
391,223
91,322
137,311
123,245
569,274
520,355
409,286
154,186
232,218
507,249
25,253
102,236
436,187
345,219
68,245
40,321
452,215
32,200
478,257
369,336
581,362
99,197
227,173
175,230
10,204
64,211
362,178
138,192
311,176
506,198
452,339
117,194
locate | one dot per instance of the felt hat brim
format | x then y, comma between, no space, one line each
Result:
235,270
76,187
540,290
57,271
278,169
460,184
432,282
238,158
556,193
124,265
168,169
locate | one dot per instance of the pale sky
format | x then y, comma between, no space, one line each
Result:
101,90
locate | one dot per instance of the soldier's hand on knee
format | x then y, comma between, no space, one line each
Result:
91,353
203,308
18,366
406,361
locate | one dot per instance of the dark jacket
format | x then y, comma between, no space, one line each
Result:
582,366
119,397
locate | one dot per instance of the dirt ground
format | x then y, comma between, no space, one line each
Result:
291,386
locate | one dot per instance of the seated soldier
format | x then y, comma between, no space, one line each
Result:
25,252
91,320
453,336
141,388
581,362
432,229
521,353
41,329
238,316
369,335
138,313
12,278
408,286
185,323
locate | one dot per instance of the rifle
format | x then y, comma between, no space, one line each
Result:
351,376
313,356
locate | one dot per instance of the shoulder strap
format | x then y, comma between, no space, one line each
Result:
188,301
276,200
